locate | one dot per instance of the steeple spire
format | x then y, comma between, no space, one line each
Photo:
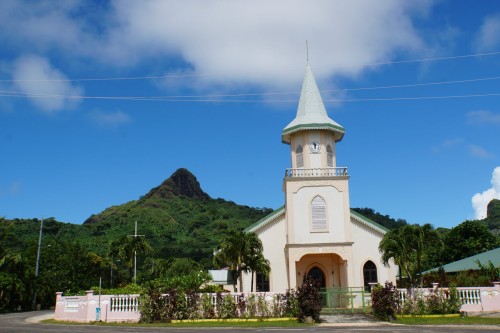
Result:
311,113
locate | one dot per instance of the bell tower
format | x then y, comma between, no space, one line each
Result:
317,208
312,135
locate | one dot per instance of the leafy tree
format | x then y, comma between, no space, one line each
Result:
384,220
241,252
467,239
127,247
406,246
182,267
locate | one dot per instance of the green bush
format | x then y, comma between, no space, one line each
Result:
291,304
436,302
152,306
207,307
226,308
251,306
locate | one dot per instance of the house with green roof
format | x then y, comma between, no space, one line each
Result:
471,263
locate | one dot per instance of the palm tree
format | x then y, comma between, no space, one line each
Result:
126,249
259,264
241,252
406,246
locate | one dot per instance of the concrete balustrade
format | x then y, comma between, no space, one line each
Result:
125,308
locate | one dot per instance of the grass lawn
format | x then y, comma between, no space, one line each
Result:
275,323
448,321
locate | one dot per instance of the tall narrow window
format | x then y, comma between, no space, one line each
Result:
369,274
299,156
262,282
329,156
318,215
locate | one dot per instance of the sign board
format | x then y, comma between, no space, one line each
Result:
97,314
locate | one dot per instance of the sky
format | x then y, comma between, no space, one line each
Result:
100,101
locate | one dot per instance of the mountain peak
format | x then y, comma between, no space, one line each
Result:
181,183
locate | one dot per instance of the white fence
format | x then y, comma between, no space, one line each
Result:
125,308
473,299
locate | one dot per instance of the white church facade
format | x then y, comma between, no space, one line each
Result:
315,232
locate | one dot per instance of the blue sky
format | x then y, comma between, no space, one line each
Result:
101,101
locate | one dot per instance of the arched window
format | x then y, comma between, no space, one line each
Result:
299,156
318,214
329,156
369,274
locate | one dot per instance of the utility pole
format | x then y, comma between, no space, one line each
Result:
135,235
37,267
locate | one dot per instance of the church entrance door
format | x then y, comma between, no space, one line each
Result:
317,274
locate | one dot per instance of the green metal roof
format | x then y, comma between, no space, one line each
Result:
361,218
470,262
311,112
273,215
266,219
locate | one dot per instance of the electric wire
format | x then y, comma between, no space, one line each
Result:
155,77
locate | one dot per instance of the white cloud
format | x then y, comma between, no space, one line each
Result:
447,144
246,42
35,77
488,37
473,149
263,42
110,119
478,151
484,117
480,200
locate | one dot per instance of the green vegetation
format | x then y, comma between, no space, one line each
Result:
177,219
242,253
493,216
182,225
407,247
385,301
442,320
384,220
262,323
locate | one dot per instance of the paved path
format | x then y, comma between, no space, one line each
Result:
28,322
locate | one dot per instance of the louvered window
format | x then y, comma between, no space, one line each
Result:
299,156
318,214
329,156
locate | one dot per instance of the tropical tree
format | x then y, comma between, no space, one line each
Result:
467,239
241,252
127,247
407,247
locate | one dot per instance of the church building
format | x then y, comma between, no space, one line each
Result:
315,232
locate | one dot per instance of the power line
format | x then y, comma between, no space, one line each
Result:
257,100
435,59
190,98
156,77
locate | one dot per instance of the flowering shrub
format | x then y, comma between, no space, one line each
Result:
182,305
385,301
309,300
436,301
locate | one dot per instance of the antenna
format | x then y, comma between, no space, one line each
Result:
307,51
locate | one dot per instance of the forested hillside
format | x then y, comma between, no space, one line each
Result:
177,218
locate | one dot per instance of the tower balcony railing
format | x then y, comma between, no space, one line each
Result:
316,172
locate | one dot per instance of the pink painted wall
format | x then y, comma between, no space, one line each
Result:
83,308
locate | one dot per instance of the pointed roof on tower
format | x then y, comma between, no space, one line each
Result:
311,113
